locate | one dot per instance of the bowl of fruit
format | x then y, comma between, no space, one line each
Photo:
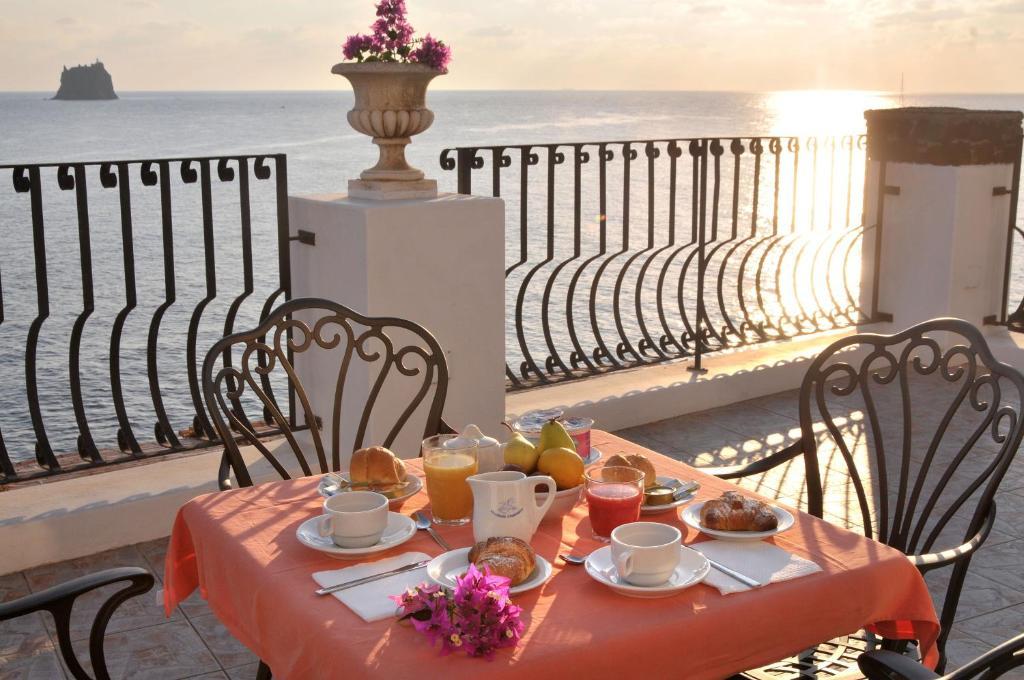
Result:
555,456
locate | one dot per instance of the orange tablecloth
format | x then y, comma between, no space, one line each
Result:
239,548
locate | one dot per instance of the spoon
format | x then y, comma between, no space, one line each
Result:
423,522
573,559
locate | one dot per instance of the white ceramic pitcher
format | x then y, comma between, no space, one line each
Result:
504,504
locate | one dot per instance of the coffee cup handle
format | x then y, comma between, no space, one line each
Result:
624,563
324,525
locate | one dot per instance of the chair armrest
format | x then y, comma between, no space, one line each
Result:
69,590
765,464
1003,658
943,558
60,599
885,665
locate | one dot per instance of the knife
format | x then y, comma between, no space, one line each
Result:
742,578
374,577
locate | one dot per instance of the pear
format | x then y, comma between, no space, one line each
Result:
563,465
520,452
554,436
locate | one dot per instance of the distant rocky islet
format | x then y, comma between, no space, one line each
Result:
89,82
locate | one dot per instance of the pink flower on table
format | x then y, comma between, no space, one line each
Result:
477,617
432,53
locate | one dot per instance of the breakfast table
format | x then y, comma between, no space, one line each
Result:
239,548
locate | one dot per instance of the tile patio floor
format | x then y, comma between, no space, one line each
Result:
141,643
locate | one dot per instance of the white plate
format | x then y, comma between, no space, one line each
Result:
691,516
656,509
330,485
692,569
444,569
399,530
593,457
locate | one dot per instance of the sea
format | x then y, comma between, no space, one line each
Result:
323,152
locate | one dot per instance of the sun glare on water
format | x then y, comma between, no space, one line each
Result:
822,112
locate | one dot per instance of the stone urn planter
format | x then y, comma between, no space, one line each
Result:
390,106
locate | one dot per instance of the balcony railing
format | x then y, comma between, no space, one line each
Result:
622,254
138,267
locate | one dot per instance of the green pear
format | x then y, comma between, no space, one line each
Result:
554,436
520,452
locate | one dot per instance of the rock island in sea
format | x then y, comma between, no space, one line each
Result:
86,82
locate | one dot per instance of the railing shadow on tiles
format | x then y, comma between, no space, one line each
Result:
629,253
139,266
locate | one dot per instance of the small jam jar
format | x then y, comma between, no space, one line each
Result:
578,428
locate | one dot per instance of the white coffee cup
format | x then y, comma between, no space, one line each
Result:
646,553
354,519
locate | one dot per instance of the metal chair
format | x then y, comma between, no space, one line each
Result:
886,665
933,497
60,599
411,370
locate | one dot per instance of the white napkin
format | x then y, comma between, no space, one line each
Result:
763,562
370,600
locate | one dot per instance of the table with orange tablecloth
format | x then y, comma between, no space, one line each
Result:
239,548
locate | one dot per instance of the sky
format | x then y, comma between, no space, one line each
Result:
731,45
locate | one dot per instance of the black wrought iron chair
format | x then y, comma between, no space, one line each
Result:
401,360
59,601
933,496
886,665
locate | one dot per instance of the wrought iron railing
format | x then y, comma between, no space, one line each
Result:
622,254
139,267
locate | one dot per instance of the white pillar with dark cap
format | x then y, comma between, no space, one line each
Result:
938,195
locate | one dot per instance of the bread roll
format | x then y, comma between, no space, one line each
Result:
639,462
376,466
732,512
505,556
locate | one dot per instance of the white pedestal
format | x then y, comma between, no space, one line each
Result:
438,262
943,241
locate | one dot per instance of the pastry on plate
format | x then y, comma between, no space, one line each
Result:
638,461
734,512
505,556
376,466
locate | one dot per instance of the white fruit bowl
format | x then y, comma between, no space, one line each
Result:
563,504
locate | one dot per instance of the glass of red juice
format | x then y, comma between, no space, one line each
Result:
614,495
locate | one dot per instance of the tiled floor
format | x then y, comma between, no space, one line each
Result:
141,643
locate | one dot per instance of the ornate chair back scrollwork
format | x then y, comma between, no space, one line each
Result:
397,364
911,465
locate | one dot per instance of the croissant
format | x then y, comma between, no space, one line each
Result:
638,461
376,466
733,512
505,556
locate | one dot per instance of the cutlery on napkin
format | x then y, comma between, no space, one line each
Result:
370,600
763,562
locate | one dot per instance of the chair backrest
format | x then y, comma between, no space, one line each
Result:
294,371
923,434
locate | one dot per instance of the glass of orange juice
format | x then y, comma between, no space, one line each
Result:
448,460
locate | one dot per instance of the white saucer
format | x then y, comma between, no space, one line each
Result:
691,516
330,484
444,569
656,509
399,530
692,569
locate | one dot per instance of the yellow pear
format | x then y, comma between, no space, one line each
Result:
520,452
563,465
554,436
